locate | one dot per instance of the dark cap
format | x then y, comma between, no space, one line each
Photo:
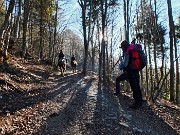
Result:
124,44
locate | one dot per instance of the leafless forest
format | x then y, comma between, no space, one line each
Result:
32,33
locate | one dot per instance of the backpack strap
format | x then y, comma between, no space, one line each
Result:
130,48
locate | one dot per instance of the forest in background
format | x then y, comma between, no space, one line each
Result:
35,29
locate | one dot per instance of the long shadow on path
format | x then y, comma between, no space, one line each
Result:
143,120
15,101
70,110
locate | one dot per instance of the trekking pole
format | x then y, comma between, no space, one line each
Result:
115,65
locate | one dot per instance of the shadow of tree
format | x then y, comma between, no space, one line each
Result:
16,100
72,108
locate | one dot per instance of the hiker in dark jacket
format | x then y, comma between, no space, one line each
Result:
133,77
61,55
72,58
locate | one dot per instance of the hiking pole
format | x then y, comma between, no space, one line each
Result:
120,59
115,65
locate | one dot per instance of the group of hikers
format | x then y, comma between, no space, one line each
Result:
132,61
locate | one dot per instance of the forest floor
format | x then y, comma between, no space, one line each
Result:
36,100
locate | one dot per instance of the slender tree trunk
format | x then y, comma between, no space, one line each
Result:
111,52
100,55
55,33
86,45
6,21
93,52
31,32
25,23
17,21
166,81
171,23
41,31
177,66
50,42
128,21
155,44
103,44
7,38
150,73
125,14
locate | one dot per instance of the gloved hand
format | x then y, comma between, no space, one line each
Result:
121,65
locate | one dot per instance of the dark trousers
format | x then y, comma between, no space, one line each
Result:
133,78
120,78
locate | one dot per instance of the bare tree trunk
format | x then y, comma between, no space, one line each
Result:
50,42
166,81
177,66
93,50
126,19
41,31
55,33
5,23
144,28
7,39
171,23
147,78
31,32
100,56
17,21
103,44
25,23
111,52
155,44
86,44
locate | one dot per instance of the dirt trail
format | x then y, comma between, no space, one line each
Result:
81,109
73,105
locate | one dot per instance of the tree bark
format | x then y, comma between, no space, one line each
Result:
6,21
171,23
86,45
25,27
17,23
177,66
103,44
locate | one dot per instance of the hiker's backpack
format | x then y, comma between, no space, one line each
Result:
137,57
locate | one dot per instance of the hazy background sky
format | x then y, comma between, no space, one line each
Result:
72,16
73,12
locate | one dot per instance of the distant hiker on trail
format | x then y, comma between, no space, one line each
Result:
73,64
72,58
61,55
131,74
62,62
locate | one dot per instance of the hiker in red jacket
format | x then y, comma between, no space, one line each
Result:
132,75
